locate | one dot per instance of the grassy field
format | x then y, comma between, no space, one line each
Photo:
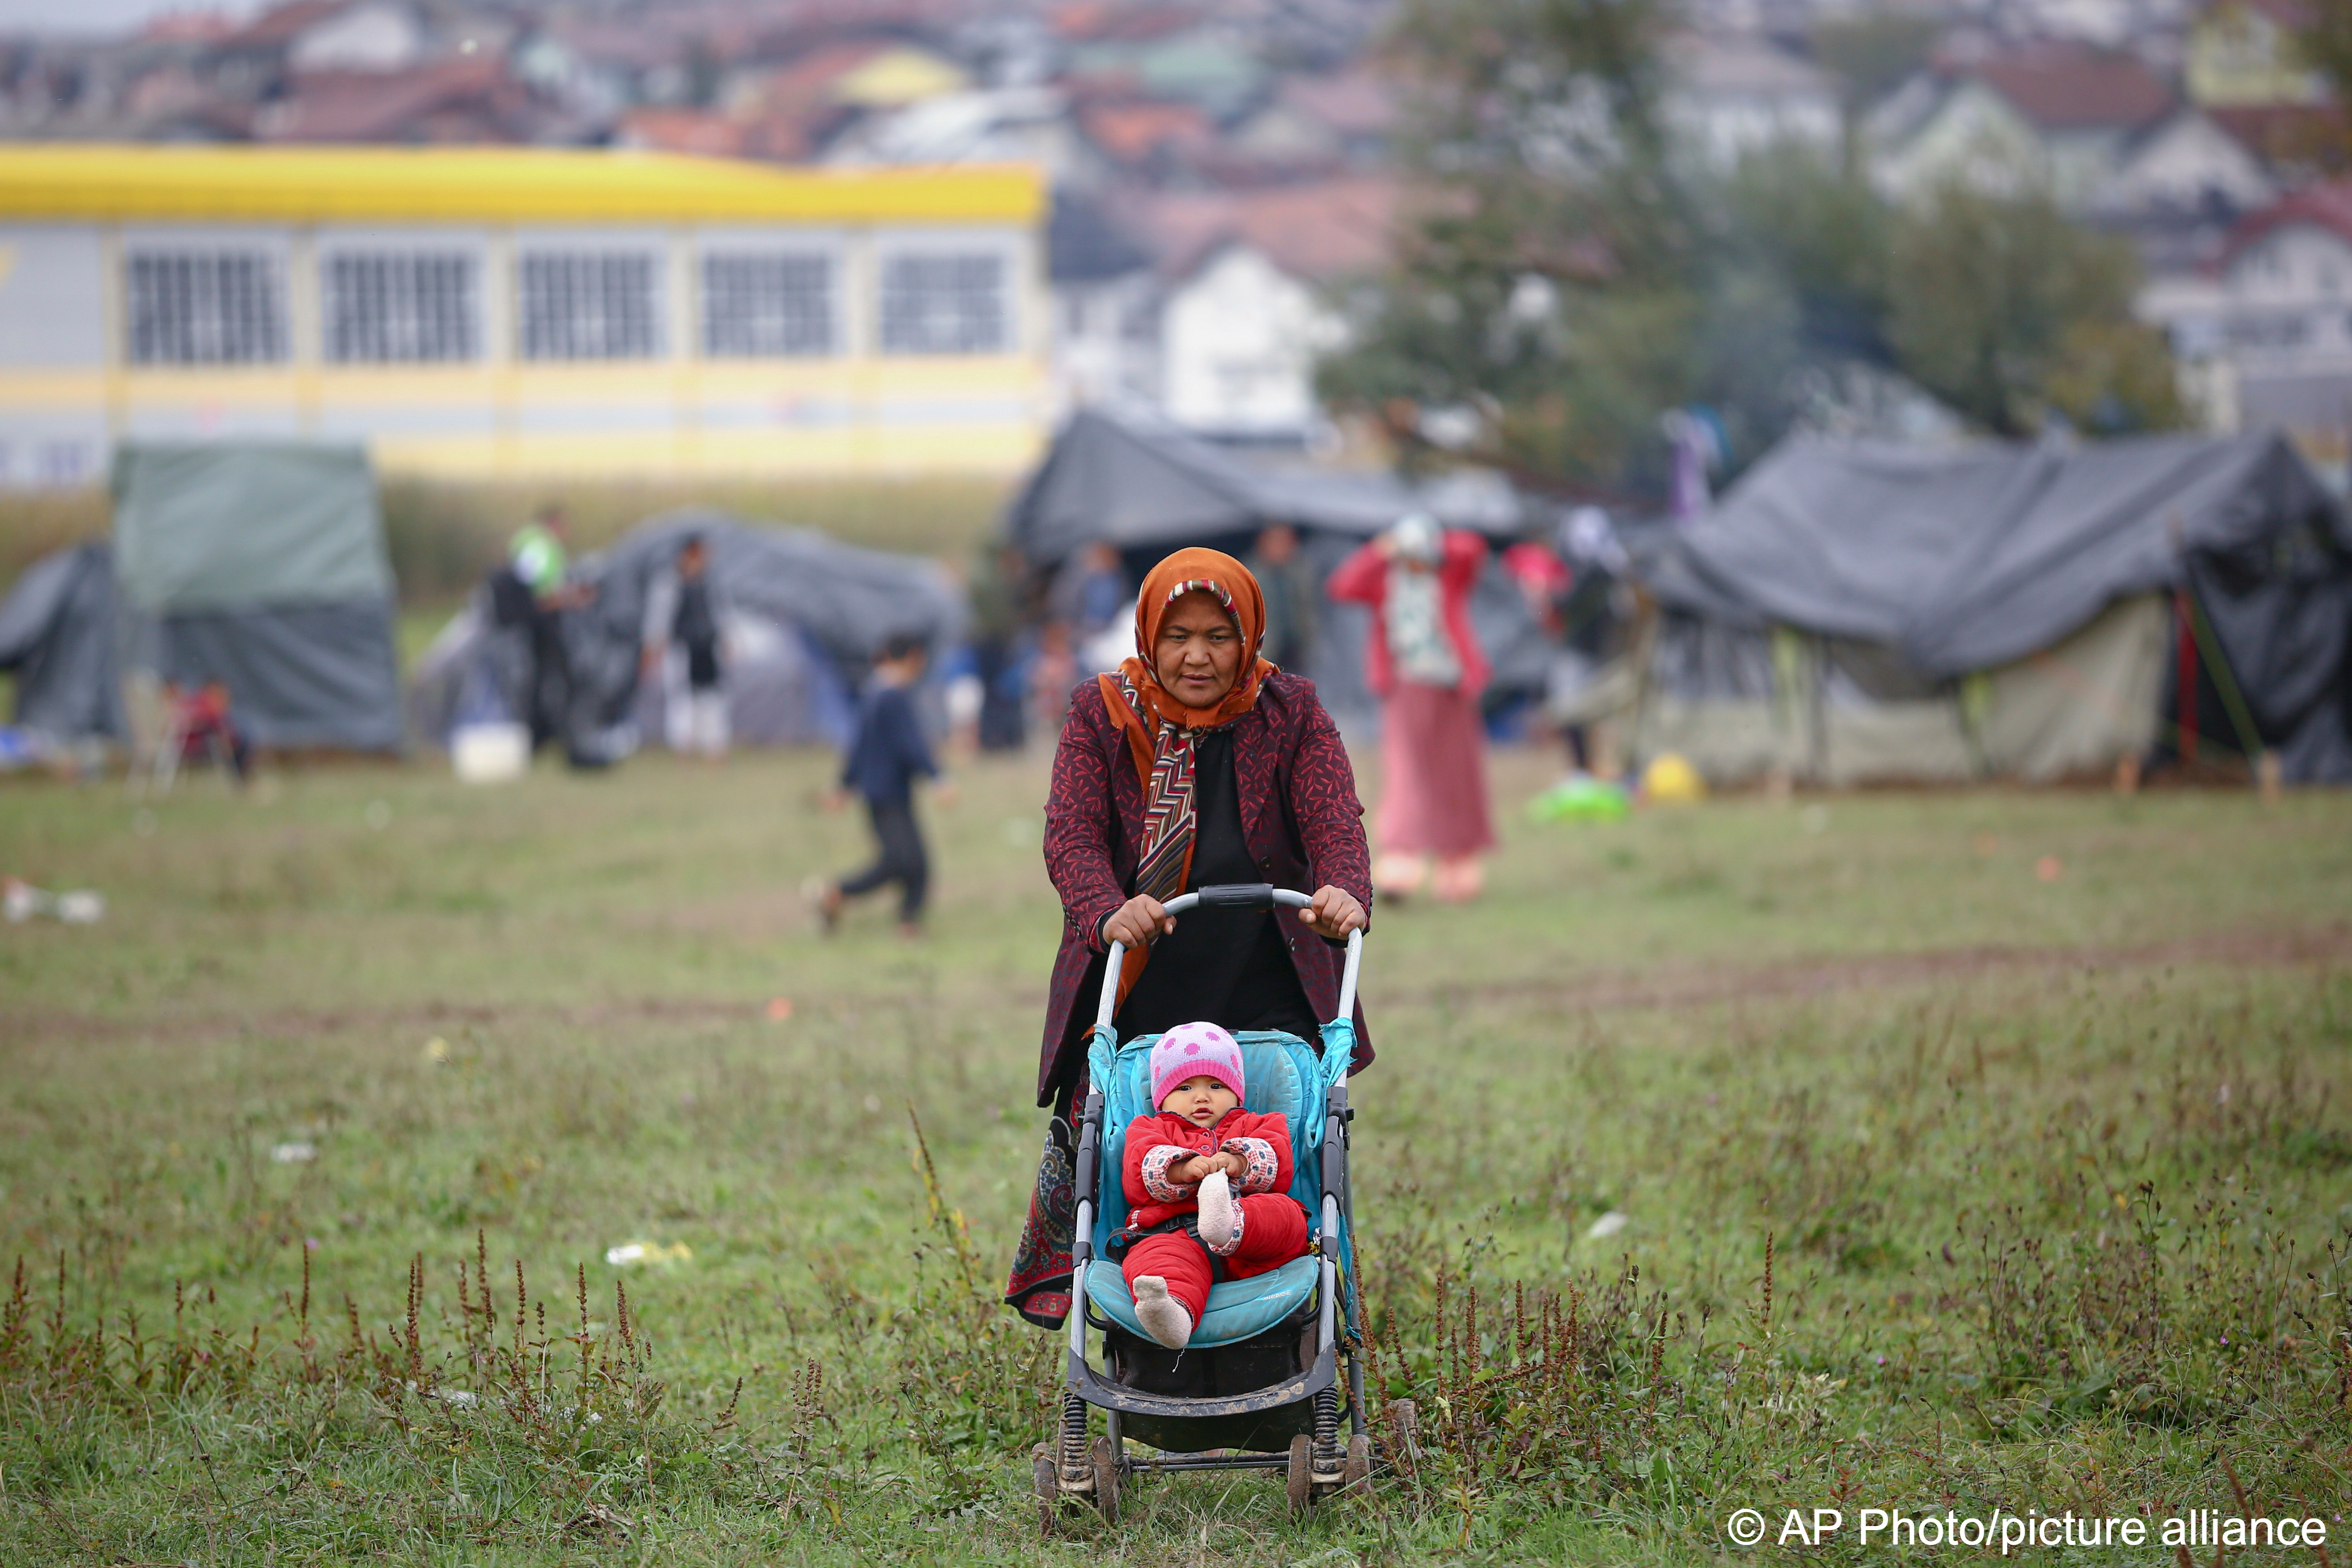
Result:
1975,1151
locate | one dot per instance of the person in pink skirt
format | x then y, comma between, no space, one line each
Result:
1425,663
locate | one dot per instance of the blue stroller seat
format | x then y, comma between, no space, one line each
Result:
1284,1074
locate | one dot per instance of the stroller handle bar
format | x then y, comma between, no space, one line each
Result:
1234,896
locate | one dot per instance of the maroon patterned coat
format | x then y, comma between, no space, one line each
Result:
1300,816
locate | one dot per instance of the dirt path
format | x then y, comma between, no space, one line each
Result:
1677,984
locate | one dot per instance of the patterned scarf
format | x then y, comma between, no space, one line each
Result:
1160,729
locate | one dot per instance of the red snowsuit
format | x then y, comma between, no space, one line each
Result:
1274,1227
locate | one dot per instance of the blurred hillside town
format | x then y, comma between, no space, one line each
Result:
1220,171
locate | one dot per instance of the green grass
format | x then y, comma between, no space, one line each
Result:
2050,1171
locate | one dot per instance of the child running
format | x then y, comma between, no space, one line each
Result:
1208,1183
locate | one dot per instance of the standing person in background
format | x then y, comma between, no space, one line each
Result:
1091,599
887,754
539,564
681,611
1292,598
999,590
1425,663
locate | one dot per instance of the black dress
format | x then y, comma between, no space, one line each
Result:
1223,966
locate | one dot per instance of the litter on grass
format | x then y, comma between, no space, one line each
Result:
1581,797
1608,1225
296,1153
631,1253
20,901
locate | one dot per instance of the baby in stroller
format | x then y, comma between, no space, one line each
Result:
1208,1183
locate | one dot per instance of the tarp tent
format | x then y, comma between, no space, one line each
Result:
259,564
802,615
1853,611
262,564
1146,487
56,637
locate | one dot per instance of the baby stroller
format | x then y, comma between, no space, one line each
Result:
1260,1380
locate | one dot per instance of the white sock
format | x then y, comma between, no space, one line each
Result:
1220,1214
1162,1316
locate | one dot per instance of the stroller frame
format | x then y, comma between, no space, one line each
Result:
1318,1462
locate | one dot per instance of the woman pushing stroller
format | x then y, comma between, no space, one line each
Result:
1196,764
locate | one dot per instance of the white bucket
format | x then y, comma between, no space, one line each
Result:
490,753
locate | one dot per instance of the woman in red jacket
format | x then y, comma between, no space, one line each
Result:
1424,662
1195,763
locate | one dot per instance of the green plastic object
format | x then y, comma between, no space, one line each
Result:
1580,800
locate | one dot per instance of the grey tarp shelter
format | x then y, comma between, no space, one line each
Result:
56,637
1854,611
260,564
1146,485
802,615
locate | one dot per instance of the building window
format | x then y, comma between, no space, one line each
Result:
65,463
400,308
945,304
767,306
590,305
206,306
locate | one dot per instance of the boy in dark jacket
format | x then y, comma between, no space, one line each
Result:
886,755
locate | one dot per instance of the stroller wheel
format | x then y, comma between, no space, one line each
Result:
1356,1475
1300,1487
1106,1479
1048,1484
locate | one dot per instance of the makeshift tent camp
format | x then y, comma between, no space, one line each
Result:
1146,487
259,565
1852,612
802,615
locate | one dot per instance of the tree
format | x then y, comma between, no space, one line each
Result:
1542,296
2326,41
1991,294
1568,277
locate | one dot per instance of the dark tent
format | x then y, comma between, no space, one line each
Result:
259,565
1853,611
1146,487
56,637
802,615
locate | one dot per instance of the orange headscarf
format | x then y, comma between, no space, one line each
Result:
1160,729
1232,584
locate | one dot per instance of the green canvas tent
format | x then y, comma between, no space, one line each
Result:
262,564
259,565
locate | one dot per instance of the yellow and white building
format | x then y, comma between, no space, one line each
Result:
518,313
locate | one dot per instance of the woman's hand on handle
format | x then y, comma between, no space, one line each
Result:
1138,922
1334,913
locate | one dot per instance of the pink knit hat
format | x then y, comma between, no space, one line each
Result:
1195,1050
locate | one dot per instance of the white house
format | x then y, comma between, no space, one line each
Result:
371,36
2186,164
1730,96
2054,119
2266,335
1238,338
1243,310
